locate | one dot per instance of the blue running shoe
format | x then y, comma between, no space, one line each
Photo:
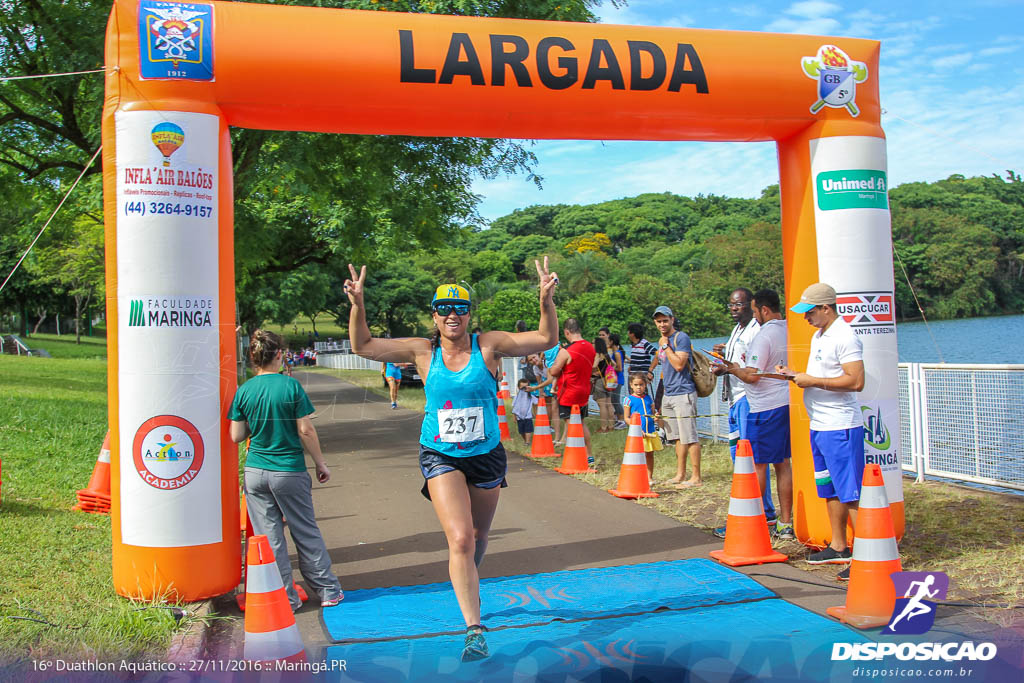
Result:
476,646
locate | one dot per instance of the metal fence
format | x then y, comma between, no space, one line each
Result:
963,422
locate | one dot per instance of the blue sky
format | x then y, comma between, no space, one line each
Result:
952,87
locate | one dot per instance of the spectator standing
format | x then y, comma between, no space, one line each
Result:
835,373
273,411
767,425
548,358
642,353
603,371
573,367
679,405
617,354
522,408
637,401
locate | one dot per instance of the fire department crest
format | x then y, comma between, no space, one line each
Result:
837,77
176,40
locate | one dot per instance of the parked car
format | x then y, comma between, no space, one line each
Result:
409,375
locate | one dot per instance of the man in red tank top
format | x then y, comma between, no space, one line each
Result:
573,367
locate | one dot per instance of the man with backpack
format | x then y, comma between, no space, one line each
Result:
679,404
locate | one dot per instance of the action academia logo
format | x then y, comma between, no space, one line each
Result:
837,77
168,452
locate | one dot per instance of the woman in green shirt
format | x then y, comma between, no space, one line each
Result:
274,410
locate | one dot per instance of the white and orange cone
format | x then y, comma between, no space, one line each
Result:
504,393
871,595
270,631
502,421
542,446
574,458
95,497
747,540
633,479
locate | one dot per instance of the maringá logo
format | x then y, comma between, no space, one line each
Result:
876,434
837,77
915,610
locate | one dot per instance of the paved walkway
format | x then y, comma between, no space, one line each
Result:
381,532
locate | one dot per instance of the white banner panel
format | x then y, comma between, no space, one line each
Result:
168,346
852,222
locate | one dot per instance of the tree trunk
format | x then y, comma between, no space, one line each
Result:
78,320
312,319
42,317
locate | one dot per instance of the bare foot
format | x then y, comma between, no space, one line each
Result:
689,483
673,480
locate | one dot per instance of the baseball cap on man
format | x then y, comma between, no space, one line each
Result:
663,310
450,294
817,294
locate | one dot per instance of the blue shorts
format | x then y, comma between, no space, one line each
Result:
838,463
484,471
525,426
768,432
738,413
394,372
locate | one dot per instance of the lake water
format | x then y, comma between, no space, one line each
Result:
998,339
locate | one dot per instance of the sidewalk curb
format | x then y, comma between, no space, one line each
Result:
189,645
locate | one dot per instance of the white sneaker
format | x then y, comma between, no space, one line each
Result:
621,425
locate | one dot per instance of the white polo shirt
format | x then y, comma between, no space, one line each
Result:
830,348
766,350
736,352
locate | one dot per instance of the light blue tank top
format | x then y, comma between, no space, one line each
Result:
469,404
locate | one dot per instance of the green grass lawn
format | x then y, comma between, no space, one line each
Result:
55,563
64,346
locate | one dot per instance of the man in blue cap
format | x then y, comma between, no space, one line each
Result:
835,373
679,405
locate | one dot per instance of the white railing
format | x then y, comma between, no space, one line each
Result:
963,422
346,361
339,346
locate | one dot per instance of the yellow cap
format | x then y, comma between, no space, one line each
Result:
450,294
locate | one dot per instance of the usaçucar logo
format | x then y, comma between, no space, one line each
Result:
837,77
168,452
176,40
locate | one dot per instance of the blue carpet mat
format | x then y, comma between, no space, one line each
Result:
539,598
769,640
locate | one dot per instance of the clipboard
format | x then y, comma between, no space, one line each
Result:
715,358
775,375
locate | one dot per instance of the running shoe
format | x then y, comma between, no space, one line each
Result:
719,532
771,521
331,602
590,460
620,425
844,575
476,646
830,556
784,531
393,405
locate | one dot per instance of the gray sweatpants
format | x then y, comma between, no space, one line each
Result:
272,497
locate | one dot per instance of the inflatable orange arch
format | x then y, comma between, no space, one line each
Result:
183,73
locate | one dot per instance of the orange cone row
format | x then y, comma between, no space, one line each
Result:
574,458
270,630
871,595
542,446
95,497
633,479
502,420
747,540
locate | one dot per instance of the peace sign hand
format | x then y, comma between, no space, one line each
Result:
548,281
354,285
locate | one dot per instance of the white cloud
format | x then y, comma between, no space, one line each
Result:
952,61
1001,50
812,8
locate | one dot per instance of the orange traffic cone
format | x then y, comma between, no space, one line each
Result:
504,392
871,596
502,420
633,479
95,497
574,459
542,446
270,630
746,532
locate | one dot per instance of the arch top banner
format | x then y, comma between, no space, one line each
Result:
350,71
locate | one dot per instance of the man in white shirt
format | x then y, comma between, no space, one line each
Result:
835,373
733,390
768,421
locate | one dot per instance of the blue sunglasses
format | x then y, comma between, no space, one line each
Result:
444,310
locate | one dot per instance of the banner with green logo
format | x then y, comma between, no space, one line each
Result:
852,189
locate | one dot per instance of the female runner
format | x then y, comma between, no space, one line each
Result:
461,456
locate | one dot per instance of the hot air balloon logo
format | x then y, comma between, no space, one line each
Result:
167,137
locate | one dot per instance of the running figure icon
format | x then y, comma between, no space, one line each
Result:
916,604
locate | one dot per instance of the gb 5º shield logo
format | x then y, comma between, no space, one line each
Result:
837,77
915,610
